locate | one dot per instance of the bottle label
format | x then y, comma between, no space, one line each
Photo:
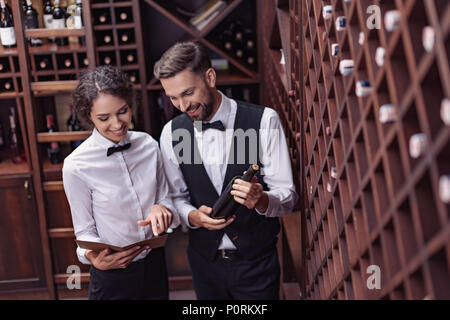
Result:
78,22
58,24
7,36
48,21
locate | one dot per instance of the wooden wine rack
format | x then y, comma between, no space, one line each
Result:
383,207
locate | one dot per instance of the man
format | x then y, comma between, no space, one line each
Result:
234,258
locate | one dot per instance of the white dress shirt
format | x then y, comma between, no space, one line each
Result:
108,195
214,146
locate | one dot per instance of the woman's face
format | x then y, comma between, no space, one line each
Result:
111,116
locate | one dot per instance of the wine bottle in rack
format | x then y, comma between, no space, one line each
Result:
237,29
78,15
7,32
249,39
4,65
126,36
59,22
54,152
102,16
43,63
133,76
227,40
73,124
2,139
48,17
123,15
104,38
250,56
128,57
15,139
6,85
65,61
31,22
107,58
83,61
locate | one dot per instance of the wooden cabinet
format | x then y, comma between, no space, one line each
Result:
21,264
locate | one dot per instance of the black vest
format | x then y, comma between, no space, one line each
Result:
251,233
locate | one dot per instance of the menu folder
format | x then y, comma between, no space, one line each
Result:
152,243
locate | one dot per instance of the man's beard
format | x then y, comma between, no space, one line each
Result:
207,108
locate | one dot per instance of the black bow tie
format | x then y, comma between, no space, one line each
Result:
111,150
213,125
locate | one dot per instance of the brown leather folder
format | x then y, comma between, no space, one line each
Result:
98,246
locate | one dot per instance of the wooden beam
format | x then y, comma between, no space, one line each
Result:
54,86
45,33
62,136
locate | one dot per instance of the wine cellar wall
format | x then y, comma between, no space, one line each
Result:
362,89
377,149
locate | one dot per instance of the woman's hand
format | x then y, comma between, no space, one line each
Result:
105,260
160,219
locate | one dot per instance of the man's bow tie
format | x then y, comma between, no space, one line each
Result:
111,150
213,125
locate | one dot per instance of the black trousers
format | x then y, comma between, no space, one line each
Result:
145,279
236,278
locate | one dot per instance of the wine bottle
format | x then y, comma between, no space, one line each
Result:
249,39
125,36
7,32
43,63
227,40
31,22
4,65
73,124
123,15
79,21
2,137
54,152
133,76
48,17
59,22
6,85
226,206
15,140
103,17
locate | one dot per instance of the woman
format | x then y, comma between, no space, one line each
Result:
117,191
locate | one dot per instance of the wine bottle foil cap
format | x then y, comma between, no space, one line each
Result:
444,188
417,145
445,111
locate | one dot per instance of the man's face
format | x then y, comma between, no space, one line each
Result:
191,93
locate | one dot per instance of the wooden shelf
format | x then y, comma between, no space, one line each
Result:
8,168
44,137
54,86
48,48
45,33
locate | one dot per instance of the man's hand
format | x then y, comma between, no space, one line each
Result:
201,218
105,260
160,219
250,194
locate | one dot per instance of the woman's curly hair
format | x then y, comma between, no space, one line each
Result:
97,81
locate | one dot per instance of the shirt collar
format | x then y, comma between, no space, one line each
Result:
106,143
223,112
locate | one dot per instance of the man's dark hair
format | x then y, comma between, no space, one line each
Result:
101,80
182,55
